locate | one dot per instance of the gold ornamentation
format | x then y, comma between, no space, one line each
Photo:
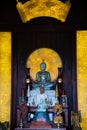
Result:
58,110
5,76
82,75
75,119
52,59
57,92
38,8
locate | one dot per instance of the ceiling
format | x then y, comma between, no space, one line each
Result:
77,16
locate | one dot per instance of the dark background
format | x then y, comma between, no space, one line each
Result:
77,17
43,32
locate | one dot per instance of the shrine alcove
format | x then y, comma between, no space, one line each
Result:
43,35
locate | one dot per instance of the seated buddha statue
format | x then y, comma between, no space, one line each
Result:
43,78
41,113
41,99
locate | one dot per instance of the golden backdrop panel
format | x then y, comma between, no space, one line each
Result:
5,75
51,58
39,8
82,75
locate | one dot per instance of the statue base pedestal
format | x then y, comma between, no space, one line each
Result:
42,117
40,124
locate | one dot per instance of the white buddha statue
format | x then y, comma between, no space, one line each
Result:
41,98
41,95
41,114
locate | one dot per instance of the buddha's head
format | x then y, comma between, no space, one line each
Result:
43,66
41,90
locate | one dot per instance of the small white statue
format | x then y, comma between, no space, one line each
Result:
41,106
41,96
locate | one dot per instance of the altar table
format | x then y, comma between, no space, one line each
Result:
50,109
